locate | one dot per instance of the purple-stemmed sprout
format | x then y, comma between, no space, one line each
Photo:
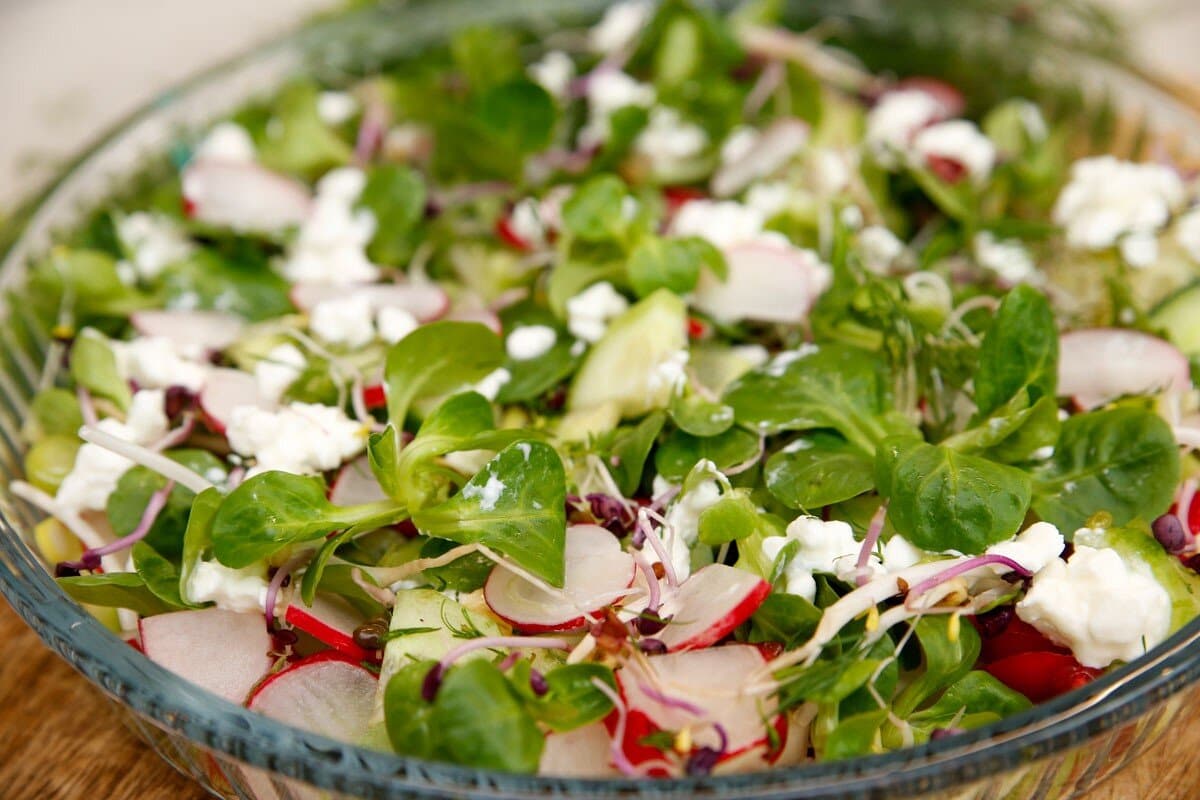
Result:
176,437
90,559
660,503
87,406
615,747
769,80
660,549
654,591
371,132
737,469
433,679
671,702
868,545
509,660
235,478
278,581
961,568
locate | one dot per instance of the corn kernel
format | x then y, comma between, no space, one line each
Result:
683,741
55,542
954,627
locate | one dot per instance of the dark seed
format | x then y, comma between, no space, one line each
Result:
369,635
1169,532
649,625
702,760
994,622
177,400
285,637
652,646
944,733
64,569
432,682
1192,563
659,570
537,682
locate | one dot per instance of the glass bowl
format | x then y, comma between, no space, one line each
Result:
1059,749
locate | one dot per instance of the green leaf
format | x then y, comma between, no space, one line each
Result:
481,722
53,412
274,510
785,618
824,681
818,470
1123,460
88,282
409,719
700,417
436,359
629,450
159,574
673,264
833,386
134,489
115,590
595,211
519,115
945,661
396,196
197,539
462,575
533,377
94,367
854,736
733,517
486,56
1014,432
973,694
571,700
235,283
383,454
680,452
1019,351
940,499
315,570
298,140
515,504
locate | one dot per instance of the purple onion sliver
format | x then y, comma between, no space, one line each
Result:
961,568
720,729
869,542
509,660
86,406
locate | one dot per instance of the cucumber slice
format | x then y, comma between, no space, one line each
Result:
1139,548
626,366
582,424
1179,317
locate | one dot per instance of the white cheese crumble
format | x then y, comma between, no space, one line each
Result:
1187,233
489,494
493,382
724,223
1098,606
824,547
683,524
619,26
895,121
669,374
609,90
738,144
830,170
152,362
669,142
528,342
958,141
336,108
153,242
96,470
395,323
227,141
1034,548
1008,258
554,72
899,553
771,198
243,591
301,438
1108,199
589,312
879,248
331,245
343,320
279,370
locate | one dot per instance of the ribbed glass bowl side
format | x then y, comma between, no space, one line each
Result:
1057,750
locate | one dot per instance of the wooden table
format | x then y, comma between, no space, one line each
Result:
60,740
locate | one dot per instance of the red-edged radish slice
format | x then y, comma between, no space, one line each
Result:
948,97
425,301
709,605
374,396
506,233
777,145
481,315
1098,365
323,694
329,621
211,331
669,689
598,573
243,196
355,485
221,651
767,283
225,390
582,753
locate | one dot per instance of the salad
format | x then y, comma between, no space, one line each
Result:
673,396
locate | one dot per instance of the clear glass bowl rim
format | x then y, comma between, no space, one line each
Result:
176,705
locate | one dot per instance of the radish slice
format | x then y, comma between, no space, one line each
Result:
767,283
709,605
355,485
331,622
581,753
1099,365
779,144
424,301
221,651
225,390
598,573
708,681
948,97
243,196
482,315
323,694
210,331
